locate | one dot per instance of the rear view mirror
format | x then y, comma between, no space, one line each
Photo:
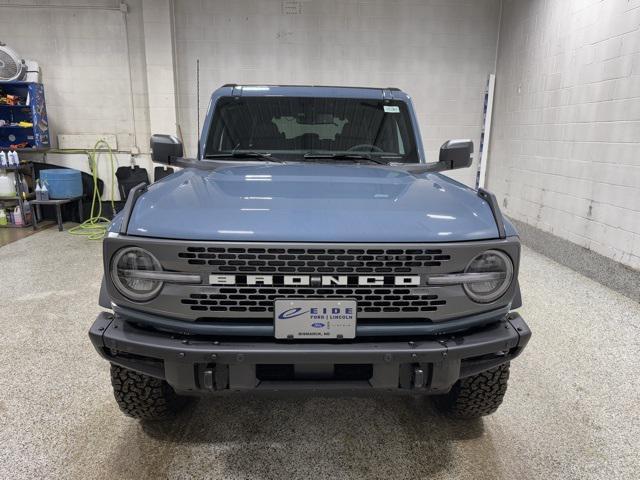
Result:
165,149
455,154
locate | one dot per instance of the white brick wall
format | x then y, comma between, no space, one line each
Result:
439,51
82,54
565,146
82,50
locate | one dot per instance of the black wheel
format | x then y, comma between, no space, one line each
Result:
477,395
144,397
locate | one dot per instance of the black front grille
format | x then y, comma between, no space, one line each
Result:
260,298
313,260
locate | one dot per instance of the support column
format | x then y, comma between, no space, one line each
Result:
159,50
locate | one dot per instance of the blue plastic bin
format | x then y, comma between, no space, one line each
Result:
62,182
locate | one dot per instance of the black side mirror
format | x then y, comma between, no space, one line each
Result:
455,154
165,149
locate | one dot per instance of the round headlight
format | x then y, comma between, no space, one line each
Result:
490,262
128,268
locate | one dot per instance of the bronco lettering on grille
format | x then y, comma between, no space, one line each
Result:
315,280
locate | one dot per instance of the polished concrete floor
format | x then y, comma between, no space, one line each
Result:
9,235
571,411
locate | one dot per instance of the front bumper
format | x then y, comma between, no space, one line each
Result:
197,366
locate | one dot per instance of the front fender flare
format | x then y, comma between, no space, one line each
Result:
517,297
104,300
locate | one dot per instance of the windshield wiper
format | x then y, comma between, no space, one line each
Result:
344,156
263,156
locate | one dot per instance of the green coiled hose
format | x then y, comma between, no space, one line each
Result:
95,228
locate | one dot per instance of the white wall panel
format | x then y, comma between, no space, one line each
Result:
565,148
81,47
440,52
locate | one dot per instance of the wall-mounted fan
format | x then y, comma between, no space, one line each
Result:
13,68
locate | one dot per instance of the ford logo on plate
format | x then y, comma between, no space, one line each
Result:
317,325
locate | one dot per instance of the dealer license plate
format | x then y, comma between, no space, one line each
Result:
308,318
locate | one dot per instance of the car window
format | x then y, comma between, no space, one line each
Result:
298,125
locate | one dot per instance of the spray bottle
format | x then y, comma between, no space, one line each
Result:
38,190
44,193
26,208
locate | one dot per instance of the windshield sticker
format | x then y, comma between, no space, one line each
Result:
391,109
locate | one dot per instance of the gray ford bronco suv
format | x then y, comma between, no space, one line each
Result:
309,246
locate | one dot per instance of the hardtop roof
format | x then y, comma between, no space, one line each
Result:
390,93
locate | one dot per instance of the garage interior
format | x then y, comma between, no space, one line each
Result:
560,150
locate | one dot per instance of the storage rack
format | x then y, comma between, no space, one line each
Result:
32,110
21,195
30,139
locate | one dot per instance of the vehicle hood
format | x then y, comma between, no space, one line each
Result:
314,202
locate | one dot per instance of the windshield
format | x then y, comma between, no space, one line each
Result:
300,125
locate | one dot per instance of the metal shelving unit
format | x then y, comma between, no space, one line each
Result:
23,139
21,195
33,111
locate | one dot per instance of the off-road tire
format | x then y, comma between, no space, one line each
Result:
477,395
144,397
